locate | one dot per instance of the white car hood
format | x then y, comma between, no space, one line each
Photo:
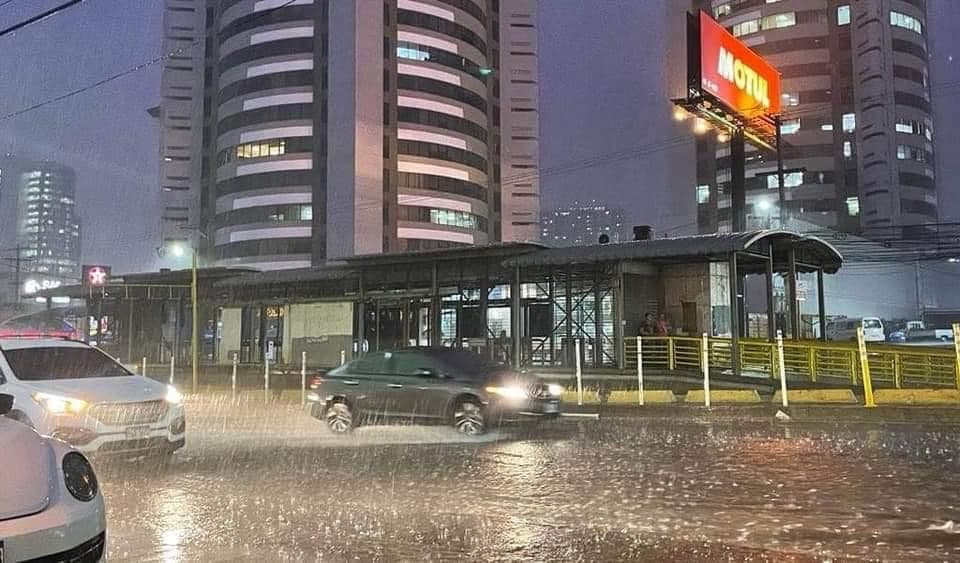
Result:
122,389
28,469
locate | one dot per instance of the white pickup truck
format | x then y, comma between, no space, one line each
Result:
917,331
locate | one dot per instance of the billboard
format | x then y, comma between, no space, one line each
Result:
733,73
96,276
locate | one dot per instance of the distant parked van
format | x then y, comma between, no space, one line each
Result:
846,329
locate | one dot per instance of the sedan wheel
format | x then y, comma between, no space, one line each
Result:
339,418
468,419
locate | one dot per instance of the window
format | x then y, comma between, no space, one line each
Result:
790,126
746,28
907,22
907,152
790,180
703,194
412,52
826,127
452,218
274,147
791,99
51,363
847,149
721,10
843,15
853,206
911,127
849,122
776,21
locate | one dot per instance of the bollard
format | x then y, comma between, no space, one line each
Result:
782,369
143,368
956,351
266,379
233,377
576,344
173,367
705,361
865,370
640,369
343,357
303,378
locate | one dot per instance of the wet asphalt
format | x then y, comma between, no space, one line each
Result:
263,482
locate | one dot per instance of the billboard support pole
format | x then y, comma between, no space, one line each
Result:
781,188
738,193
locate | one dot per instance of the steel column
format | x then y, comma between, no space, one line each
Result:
771,304
821,305
515,304
794,309
734,315
618,296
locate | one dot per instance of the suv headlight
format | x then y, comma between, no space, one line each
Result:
555,389
173,396
79,478
60,405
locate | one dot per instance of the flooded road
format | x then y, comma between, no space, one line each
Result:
260,483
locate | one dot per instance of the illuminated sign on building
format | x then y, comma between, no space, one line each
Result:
32,286
734,74
96,276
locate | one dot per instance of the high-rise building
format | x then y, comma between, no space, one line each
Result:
330,128
39,219
857,118
581,223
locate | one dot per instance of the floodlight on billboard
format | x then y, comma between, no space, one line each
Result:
734,74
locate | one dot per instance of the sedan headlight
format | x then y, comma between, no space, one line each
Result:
173,396
555,390
60,405
79,478
515,393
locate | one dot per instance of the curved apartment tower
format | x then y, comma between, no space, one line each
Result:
332,128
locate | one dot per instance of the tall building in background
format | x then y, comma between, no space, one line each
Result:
858,124
581,223
39,218
329,128
180,117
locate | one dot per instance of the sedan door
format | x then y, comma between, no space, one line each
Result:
361,382
425,392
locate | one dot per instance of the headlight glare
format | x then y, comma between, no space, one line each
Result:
174,396
555,389
515,393
60,405
79,477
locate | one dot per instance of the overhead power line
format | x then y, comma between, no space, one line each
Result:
39,17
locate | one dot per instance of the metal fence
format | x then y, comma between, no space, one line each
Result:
837,363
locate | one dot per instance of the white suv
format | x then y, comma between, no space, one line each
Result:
75,392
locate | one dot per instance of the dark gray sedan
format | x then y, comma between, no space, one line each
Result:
429,385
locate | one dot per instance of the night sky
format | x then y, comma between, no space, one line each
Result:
602,66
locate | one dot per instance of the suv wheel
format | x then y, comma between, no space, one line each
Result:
469,419
339,418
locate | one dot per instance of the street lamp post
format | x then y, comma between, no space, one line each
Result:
195,330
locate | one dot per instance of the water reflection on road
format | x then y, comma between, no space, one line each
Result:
271,484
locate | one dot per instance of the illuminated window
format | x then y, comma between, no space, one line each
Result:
843,15
746,28
452,218
826,127
790,126
790,180
907,22
791,99
777,21
703,194
853,206
847,149
849,122
721,10
306,213
412,52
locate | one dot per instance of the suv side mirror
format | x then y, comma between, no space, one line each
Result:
6,403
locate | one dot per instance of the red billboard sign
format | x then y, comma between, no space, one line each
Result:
734,74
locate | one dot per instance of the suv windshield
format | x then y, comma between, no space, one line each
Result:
50,363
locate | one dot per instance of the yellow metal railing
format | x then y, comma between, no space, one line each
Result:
891,366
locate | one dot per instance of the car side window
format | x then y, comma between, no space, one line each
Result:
370,364
412,364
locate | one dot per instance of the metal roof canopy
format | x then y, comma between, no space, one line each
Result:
812,252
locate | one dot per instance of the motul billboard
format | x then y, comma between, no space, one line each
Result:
722,66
